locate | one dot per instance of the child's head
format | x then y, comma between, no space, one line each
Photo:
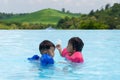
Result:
75,44
47,47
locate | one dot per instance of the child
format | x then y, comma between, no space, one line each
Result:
46,49
73,50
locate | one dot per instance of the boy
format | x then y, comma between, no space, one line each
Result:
46,49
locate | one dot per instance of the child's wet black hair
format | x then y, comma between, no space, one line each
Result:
45,45
77,43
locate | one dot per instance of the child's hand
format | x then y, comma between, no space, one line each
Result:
58,46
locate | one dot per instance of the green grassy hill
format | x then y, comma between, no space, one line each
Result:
45,16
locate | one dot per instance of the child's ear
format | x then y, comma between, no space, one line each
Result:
74,50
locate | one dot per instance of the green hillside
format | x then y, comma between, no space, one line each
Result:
107,17
104,18
45,16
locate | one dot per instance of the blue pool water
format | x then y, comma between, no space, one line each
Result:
101,54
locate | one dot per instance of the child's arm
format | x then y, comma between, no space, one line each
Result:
58,46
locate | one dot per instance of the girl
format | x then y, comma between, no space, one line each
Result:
73,50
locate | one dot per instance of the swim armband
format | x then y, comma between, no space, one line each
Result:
46,59
35,57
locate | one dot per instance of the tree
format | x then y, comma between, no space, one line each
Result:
65,23
91,12
68,11
25,25
118,27
63,10
13,26
60,22
107,6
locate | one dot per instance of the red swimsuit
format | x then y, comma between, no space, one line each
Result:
76,57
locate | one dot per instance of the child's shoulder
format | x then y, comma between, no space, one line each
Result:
46,59
64,52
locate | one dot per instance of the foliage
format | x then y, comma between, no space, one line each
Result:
110,15
104,18
78,23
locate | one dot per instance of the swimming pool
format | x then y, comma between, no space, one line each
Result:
101,54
